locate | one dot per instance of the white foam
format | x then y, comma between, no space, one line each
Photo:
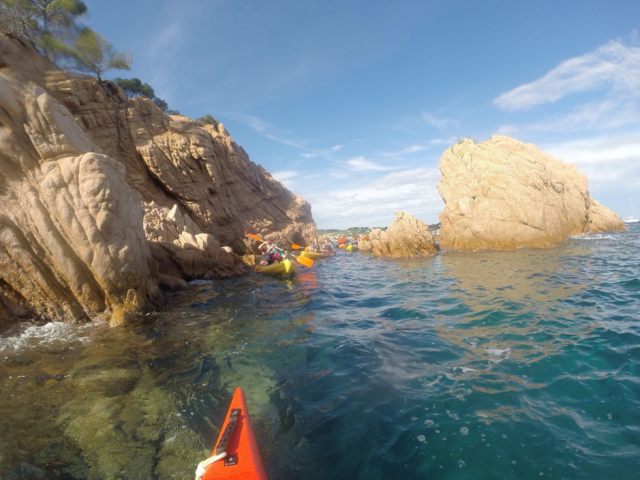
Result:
591,236
496,352
51,334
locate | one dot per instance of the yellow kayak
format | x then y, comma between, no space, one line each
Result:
316,256
351,248
284,268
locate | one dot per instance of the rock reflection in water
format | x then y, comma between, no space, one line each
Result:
512,305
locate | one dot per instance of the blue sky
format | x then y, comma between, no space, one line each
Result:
351,103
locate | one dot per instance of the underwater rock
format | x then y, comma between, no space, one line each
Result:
406,237
504,194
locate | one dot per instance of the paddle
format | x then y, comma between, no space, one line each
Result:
307,262
295,247
255,237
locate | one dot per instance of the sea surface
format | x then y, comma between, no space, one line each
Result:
494,365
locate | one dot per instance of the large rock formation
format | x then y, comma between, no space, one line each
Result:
71,238
504,194
406,237
103,198
176,160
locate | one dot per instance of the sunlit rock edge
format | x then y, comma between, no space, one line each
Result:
504,194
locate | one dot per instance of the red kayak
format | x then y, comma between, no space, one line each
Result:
236,454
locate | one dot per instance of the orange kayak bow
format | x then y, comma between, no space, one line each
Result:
236,454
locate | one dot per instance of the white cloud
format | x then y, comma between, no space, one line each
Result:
613,66
613,160
251,121
266,129
322,153
405,151
598,114
508,130
414,124
284,175
443,141
359,163
439,123
412,191
611,75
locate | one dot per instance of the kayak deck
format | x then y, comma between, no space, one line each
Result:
243,458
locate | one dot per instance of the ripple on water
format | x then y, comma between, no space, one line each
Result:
518,359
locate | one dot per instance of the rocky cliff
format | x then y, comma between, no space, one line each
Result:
406,237
504,194
104,198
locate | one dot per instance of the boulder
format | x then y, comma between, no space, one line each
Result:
406,237
504,194
182,250
72,246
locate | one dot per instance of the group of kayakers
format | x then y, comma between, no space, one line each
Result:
276,260
272,254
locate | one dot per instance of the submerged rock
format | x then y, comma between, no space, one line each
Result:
504,194
406,237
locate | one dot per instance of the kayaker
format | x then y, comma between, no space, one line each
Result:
270,253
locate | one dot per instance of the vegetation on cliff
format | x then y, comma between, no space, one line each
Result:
53,26
133,87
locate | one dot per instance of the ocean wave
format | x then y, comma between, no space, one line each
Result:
54,334
592,236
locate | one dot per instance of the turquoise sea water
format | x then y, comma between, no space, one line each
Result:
490,365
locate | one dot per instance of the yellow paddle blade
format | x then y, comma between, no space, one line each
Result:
295,247
255,237
307,262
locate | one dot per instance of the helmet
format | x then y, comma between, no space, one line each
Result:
264,245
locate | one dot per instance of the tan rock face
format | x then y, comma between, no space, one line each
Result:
182,250
102,199
176,160
504,194
406,237
72,246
